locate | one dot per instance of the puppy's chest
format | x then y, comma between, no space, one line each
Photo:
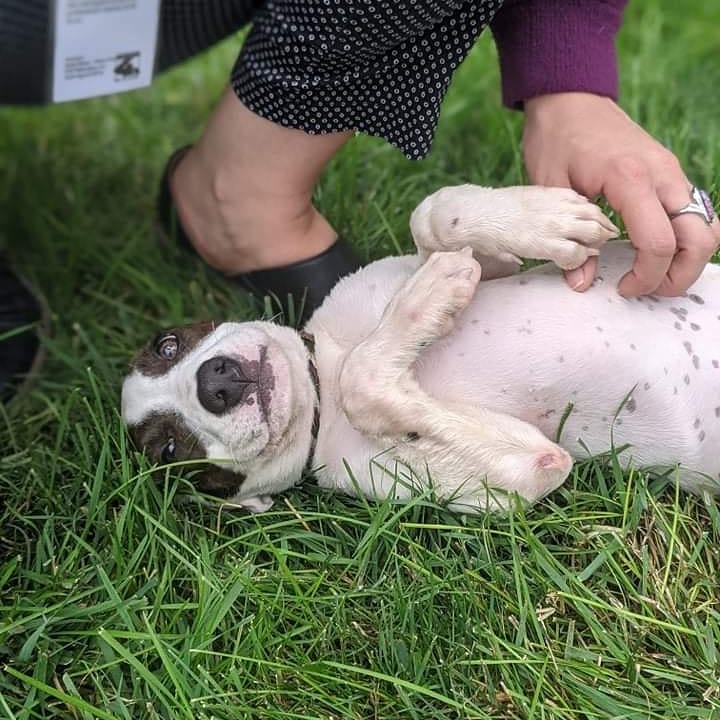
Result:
339,445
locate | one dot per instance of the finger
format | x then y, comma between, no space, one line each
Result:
696,242
716,231
631,193
555,177
688,263
562,192
580,279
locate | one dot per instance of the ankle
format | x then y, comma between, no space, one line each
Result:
238,225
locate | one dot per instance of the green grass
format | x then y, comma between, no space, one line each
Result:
601,602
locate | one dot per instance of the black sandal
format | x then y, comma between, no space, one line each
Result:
292,291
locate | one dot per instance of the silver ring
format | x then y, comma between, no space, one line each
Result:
700,204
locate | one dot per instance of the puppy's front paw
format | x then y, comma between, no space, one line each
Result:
515,222
561,225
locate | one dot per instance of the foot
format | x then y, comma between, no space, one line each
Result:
243,193
20,312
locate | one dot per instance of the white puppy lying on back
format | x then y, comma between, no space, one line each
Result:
413,370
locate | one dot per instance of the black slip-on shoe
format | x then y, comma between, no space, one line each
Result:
22,312
291,292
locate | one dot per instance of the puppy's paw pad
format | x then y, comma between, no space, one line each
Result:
446,283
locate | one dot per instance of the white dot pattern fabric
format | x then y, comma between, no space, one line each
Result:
382,68
378,66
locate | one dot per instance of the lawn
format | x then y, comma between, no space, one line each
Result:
601,602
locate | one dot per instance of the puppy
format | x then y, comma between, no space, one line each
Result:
412,374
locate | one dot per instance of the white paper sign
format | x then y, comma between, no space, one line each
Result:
103,46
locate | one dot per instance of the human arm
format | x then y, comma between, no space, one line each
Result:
558,62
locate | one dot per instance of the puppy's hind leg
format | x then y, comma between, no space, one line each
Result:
471,449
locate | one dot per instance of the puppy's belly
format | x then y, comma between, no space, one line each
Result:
643,372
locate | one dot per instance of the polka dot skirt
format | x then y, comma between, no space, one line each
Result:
375,66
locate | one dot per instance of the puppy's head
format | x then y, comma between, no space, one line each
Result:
235,398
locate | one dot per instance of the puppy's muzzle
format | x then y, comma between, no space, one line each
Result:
223,383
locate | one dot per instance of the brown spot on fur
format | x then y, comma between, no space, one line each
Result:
152,435
149,362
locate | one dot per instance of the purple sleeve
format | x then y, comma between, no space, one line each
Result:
550,46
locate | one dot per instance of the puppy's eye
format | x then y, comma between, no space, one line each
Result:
167,347
167,454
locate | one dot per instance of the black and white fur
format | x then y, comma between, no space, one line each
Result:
429,377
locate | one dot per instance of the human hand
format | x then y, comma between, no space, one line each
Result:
588,143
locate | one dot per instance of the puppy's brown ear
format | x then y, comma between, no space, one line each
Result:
219,482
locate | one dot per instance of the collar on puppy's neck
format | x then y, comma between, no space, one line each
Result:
309,342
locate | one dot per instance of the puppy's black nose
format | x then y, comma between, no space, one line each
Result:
223,383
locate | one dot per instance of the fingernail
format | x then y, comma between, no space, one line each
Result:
575,278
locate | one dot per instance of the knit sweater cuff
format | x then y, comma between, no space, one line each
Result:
551,46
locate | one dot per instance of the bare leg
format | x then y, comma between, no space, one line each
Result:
244,191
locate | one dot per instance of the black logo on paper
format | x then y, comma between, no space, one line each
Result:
127,65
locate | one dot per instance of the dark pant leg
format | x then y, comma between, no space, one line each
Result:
187,27
379,67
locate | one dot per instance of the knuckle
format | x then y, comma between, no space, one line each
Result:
661,247
631,169
645,286
669,165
